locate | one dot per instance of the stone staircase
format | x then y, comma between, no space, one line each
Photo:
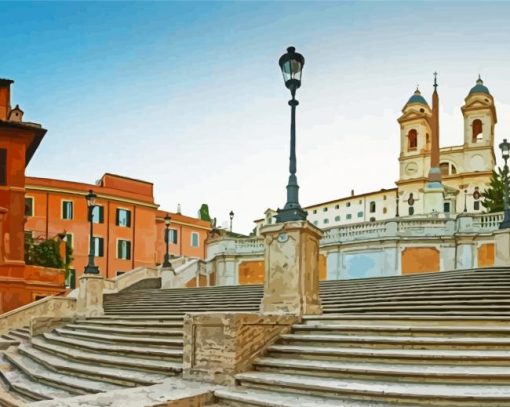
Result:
429,339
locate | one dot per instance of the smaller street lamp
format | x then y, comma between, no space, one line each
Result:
231,214
166,262
91,268
505,152
465,200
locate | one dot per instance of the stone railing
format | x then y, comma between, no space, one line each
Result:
392,228
62,307
129,278
182,274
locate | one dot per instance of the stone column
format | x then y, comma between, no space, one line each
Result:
291,268
502,248
90,296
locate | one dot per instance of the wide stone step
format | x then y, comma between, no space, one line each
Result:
451,395
462,357
241,396
38,372
417,307
411,330
19,334
429,296
425,301
123,377
173,324
152,319
72,354
143,351
139,340
27,388
153,302
384,371
156,331
395,341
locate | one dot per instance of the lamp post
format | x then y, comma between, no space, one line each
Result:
505,152
91,268
231,214
465,200
291,65
397,214
166,261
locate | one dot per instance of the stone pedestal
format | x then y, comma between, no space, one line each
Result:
90,296
433,198
291,268
502,248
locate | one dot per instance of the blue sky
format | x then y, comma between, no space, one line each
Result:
188,95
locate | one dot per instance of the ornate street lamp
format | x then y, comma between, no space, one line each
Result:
166,261
91,268
231,214
291,65
505,152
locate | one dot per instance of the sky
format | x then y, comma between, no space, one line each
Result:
189,95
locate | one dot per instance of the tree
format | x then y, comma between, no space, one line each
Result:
493,196
203,213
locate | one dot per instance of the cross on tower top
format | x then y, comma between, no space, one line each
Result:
435,80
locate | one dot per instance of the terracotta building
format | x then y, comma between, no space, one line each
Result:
19,283
128,227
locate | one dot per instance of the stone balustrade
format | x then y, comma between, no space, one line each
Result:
61,307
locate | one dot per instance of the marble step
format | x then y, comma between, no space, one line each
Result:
29,389
96,359
20,334
139,340
372,329
122,377
156,331
378,341
66,382
433,394
152,319
183,301
173,324
383,371
406,319
142,351
425,301
416,356
240,396
383,297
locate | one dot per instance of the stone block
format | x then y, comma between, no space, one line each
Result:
291,268
217,346
90,296
502,248
40,325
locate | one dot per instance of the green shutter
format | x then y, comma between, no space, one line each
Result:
128,219
117,212
128,249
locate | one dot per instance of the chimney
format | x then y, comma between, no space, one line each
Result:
5,98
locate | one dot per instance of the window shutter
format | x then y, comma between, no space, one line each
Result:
101,251
128,219
3,166
117,212
101,214
70,210
128,250
119,249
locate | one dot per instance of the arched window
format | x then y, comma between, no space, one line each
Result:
412,139
453,169
372,207
445,168
477,131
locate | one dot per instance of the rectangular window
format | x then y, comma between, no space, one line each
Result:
98,214
349,216
476,206
98,246
123,218
348,204
171,237
337,218
29,206
67,209
124,249
360,214
326,221
3,166
195,241
315,211
324,209
337,206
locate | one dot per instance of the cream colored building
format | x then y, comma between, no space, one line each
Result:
466,168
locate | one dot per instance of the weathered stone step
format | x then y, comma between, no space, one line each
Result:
384,297
417,307
240,396
144,351
112,318
21,384
160,366
122,377
175,324
384,371
173,311
448,356
395,341
153,301
423,302
20,334
412,330
140,340
127,331
66,382
406,319
451,395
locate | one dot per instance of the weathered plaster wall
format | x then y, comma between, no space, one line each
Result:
420,260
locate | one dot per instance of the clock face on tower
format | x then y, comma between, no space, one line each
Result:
411,169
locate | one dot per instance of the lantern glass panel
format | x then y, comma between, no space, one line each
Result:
292,69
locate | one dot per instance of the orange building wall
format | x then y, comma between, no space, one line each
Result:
251,272
420,260
486,255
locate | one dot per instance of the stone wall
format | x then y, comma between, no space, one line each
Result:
219,345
